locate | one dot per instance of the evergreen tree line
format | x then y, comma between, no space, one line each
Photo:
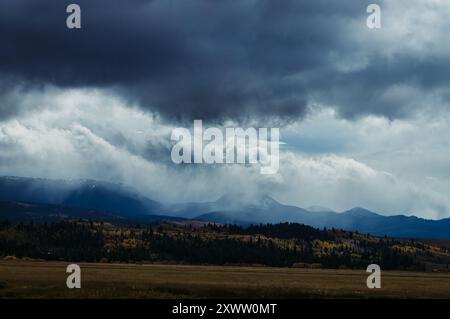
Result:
93,242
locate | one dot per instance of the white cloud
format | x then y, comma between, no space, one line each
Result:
388,166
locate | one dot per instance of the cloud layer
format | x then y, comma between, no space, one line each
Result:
240,60
364,113
89,134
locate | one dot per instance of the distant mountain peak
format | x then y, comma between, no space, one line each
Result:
267,200
99,199
360,212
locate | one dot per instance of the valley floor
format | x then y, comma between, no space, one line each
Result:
33,279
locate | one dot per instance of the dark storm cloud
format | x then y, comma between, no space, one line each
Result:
207,59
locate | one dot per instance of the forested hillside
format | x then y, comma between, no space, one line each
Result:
283,245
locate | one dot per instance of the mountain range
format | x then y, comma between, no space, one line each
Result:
48,200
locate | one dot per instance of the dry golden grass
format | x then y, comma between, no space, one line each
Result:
32,279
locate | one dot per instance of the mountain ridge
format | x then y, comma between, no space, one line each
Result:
126,202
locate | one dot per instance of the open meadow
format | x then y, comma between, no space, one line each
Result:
35,279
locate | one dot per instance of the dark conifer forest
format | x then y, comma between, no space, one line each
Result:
280,245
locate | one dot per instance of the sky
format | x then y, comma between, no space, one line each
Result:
363,113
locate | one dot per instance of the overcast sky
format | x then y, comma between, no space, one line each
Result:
364,114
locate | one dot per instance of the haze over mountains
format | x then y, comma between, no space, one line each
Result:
49,200
58,199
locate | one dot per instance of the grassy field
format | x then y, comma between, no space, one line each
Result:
31,279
